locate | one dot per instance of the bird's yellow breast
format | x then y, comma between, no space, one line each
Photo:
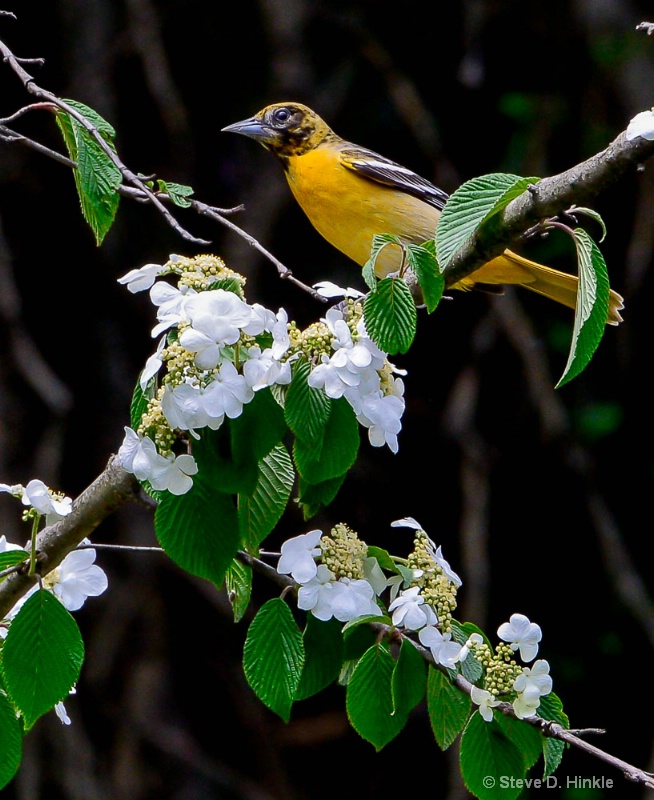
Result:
349,209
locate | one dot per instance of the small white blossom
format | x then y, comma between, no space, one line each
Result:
449,573
382,415
216,317
138,280
329,289
642,125
227,393
42,500
298,556
77,578
185,408
443,650
535,682
173,474
522,635
486,702
60,710
152,365
410,610
171,305
316,594
352,599
16,490
474,640
262,369
407,522
280,334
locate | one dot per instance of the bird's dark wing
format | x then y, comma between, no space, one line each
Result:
382,170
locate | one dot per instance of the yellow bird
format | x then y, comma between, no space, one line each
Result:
350,194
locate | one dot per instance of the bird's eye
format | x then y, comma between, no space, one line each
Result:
282,115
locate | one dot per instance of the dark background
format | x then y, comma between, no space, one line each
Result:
539,497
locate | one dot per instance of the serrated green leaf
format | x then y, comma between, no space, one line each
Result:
409,682
590,212
323,648
259,512
592,306
383,557
379,242
491,765
199,530
11,741
177,192
524,736
422,260
42,656
313,496
373,719
273,657
390,315
470,206
448,708
138,406
551,708
339,448
238,584
306,409
97,178
257,430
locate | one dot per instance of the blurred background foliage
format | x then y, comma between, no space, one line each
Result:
540,498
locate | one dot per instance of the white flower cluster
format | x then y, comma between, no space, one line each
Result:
359,371
321,592
226,350
326,596
44,501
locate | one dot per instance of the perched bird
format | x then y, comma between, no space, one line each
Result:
350,194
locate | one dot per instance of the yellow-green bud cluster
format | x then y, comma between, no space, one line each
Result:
316,340
500,667
155,425
437,589
201,271
343,552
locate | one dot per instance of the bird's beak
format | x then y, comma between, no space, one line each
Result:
252,127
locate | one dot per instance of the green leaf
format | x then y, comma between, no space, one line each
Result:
313,496
273,656
472,204
379,242
259,512
524,736
551,708
177,192
138,406
390,315
448,708
409,679
491,765
383,557
369,700
12,557
422,260
199,529
97,178
11,741
238,583
592,306
306,409
42,656
323,648
339,448
257,430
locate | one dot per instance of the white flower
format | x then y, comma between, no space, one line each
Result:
352,599
316,594
329,289
642,125
138,280
443,650
280,334
227,393
60,710
185,408
535,682
486,702
374,574
152,365
474,640
382,415
42,500
137,454
77,578
171,303
411,611
298,556
407,522
262,369
521,634
261,319
217,318
449,573
16,489
173,474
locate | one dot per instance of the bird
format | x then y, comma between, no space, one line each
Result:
350,194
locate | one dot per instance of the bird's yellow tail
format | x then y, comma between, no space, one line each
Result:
510,268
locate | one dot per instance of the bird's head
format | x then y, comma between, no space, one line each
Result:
286,129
